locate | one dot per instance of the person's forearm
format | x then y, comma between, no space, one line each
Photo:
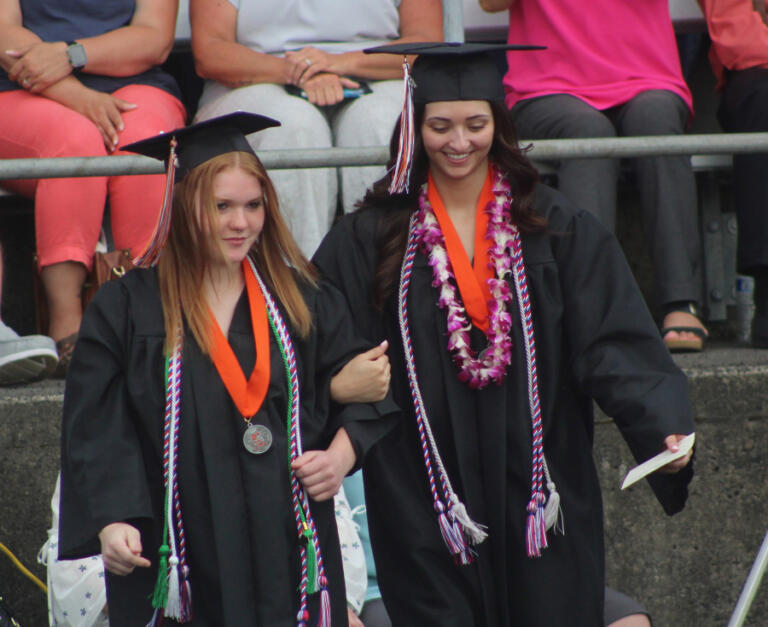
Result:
13,36
493,6
378,67
126,51
342,449
236,65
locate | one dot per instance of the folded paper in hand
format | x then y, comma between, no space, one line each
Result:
662,459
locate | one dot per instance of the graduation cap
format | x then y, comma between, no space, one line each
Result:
183,149
443,71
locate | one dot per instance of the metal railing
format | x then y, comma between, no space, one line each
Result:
540,150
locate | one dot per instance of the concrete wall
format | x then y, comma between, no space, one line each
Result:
687,569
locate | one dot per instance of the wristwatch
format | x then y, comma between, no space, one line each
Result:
76,55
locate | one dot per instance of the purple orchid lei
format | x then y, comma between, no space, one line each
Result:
490,365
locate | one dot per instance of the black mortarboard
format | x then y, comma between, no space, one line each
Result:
443,71
199,142
185,148
453,71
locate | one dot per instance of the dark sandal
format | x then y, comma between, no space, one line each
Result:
679,345
695,345
65,346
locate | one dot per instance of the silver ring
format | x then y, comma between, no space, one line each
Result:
25,82
308,62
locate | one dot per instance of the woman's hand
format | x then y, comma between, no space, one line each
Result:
121,548
364,378
327,89
39,65
321,472
104,110
671,444
301,65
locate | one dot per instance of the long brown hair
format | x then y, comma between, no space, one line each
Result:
505,153
190,251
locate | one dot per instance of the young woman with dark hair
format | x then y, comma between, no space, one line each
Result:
508,312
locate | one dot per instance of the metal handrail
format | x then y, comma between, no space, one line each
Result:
540,150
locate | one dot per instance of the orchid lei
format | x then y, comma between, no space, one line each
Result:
491,364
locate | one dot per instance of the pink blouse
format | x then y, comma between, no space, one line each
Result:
604,52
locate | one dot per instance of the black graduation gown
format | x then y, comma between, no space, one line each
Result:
241,536
595,339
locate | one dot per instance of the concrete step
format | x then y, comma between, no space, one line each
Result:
687,570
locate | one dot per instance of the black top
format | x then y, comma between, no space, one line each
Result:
241,535
595,339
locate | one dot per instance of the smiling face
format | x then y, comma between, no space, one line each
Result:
457,137
239,200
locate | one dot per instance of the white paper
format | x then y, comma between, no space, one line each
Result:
662,459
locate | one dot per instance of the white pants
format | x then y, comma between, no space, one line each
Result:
309,197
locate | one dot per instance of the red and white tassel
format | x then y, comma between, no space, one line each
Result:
155,245
536,531
402,171
325,604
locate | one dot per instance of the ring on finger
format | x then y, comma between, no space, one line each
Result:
25,82
308,62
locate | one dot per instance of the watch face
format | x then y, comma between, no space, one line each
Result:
76,54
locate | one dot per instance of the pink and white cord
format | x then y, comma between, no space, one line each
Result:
506,257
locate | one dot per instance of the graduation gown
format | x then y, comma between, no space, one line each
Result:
595,339
241,535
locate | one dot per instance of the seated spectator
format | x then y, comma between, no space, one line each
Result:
252,52
81,79
364,603
739,56
23,359
612,68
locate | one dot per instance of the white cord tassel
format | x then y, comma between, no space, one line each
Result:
474,531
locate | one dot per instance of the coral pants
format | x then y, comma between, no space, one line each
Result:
69,212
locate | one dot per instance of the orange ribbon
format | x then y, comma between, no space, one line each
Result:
247,396
470,277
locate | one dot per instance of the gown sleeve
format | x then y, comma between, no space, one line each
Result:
345,264
615,350
103,478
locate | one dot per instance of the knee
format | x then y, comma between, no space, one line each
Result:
655,112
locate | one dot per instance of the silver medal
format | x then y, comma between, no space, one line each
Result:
257,439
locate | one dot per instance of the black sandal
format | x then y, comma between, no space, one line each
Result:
679,345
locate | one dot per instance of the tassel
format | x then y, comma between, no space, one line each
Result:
553,514
536,532
325,604
402,171
160,594
311,553
451,533
155,245
173,604
157,618
474,531
301,618
186,597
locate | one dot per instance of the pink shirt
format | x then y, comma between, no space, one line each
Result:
605,52
739,35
